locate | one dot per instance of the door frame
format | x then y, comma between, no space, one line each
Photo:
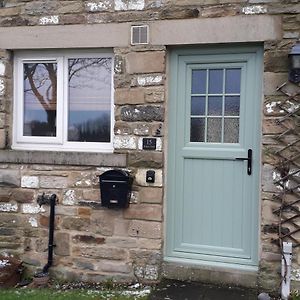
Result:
173,54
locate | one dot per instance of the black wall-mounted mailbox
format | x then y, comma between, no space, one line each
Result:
115,188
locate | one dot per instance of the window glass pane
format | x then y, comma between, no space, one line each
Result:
233,81
231,130
197,129
40,96
198,81
232,105
214,130
89,99
215,84
198,106
215,106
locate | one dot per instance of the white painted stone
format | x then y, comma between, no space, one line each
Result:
158,144
144,80
2,87
149,272
49,20
254,10
98,5
30,182
69,198
295,276
141,177
270,106
129,4
292,107
33,222
2,68
125,142
32,209
8,207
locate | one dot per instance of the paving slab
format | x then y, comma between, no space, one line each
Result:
178,290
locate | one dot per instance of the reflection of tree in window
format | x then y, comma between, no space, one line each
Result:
40,98
89,99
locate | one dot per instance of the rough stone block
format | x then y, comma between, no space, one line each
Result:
144,159
102,223
62,242
76,223
276,61
65,210
84,211
55,182
145,229
5,194
84,264
147,80
70,197
272,81
23,196
8,207
271,126
123,128
144,212
125,142
155,95
98,252
88,239
2,117
142,113
268,176
113,267
157,129
150,195
129,4
32,209
129,96
121,227
149,244
142,129
98,6
30,182
145,62
10,177
91,194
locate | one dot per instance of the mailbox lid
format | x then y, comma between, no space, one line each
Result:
115,175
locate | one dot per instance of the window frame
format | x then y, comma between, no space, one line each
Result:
60,142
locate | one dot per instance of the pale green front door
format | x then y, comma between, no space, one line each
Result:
214,123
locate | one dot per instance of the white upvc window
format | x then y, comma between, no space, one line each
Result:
63,101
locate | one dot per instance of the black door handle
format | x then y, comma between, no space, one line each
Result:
249,160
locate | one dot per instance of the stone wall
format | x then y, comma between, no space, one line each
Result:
95,243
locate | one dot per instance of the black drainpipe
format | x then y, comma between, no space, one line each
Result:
50,200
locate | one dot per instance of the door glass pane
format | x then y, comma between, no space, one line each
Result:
215,106
215,84
198,106
231,130
199,81
40,96
214,130
89,99
233,81
197,130
232,105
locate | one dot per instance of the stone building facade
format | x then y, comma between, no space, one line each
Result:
94,243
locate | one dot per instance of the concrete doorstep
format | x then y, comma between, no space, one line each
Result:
179,290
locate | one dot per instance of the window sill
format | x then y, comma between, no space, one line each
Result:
63,158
